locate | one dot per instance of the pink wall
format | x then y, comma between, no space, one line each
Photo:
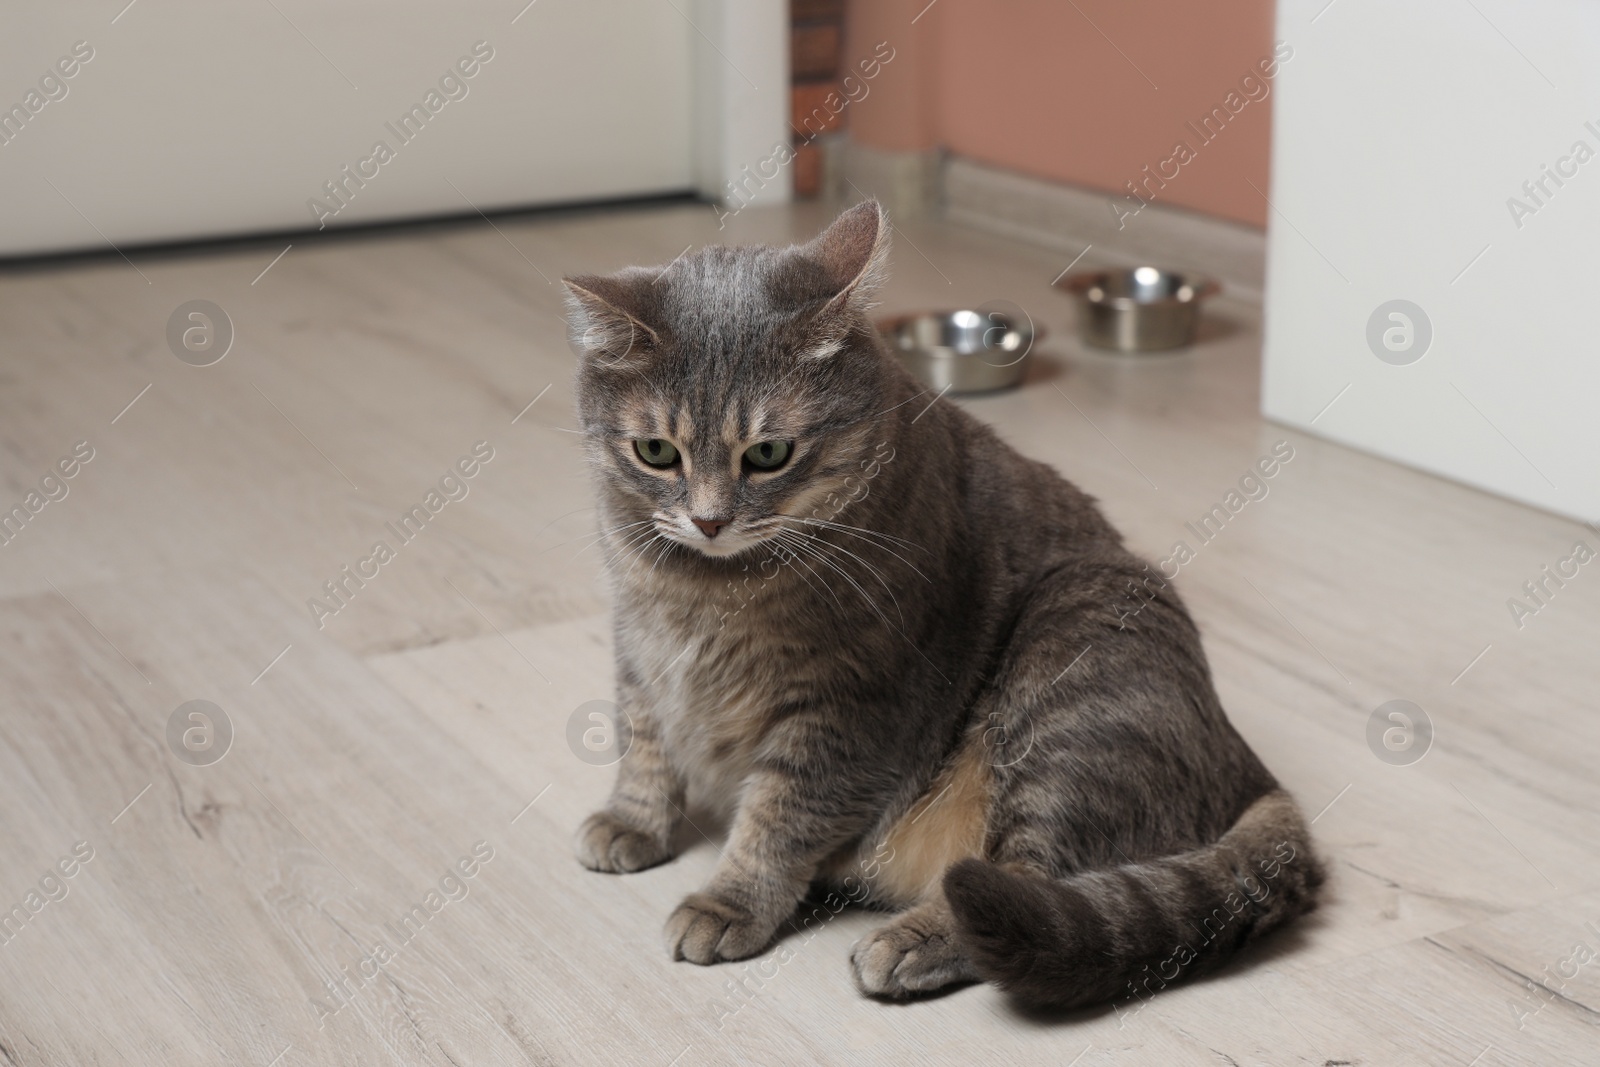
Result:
1033,86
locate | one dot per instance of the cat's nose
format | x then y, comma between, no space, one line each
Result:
709,527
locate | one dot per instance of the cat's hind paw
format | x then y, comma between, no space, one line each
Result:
913,954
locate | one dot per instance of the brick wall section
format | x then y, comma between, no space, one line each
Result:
816,44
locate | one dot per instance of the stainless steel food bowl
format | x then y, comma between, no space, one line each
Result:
965,351
1139,309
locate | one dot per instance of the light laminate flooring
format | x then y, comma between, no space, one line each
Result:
230,911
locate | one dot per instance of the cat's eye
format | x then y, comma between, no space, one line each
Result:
767,455
656,452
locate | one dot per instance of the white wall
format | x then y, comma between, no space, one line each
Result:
1400,133
199,119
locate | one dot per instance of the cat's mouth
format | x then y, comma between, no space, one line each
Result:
724,540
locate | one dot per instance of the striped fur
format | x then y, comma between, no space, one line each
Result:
906,668
1129,931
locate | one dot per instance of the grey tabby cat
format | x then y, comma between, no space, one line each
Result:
896,657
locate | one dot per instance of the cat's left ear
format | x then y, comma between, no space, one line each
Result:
605,316
852,257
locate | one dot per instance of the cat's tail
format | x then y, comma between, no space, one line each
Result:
1131,930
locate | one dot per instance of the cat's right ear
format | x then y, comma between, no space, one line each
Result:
600,324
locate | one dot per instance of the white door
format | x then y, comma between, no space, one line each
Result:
1431,255
171,119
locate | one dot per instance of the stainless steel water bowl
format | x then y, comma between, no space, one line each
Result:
1139,309
965,351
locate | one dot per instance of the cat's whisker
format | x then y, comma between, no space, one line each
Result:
874,571
783,537
610,549
902,541
862,534
667,545
635,539
558,518
593,535
635,554
795,558
810,545
624,525
870,569
635,536
600,538
784,549
640,539
822,579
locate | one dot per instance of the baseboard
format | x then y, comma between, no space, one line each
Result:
1068,218
907,183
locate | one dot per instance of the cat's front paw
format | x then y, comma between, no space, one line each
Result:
707,929
606,843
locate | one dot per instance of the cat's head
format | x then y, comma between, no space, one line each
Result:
726,395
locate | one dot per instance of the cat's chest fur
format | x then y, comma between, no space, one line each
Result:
710,683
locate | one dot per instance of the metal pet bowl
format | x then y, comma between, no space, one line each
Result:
965,351
1139,309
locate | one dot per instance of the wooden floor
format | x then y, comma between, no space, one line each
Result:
230,912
